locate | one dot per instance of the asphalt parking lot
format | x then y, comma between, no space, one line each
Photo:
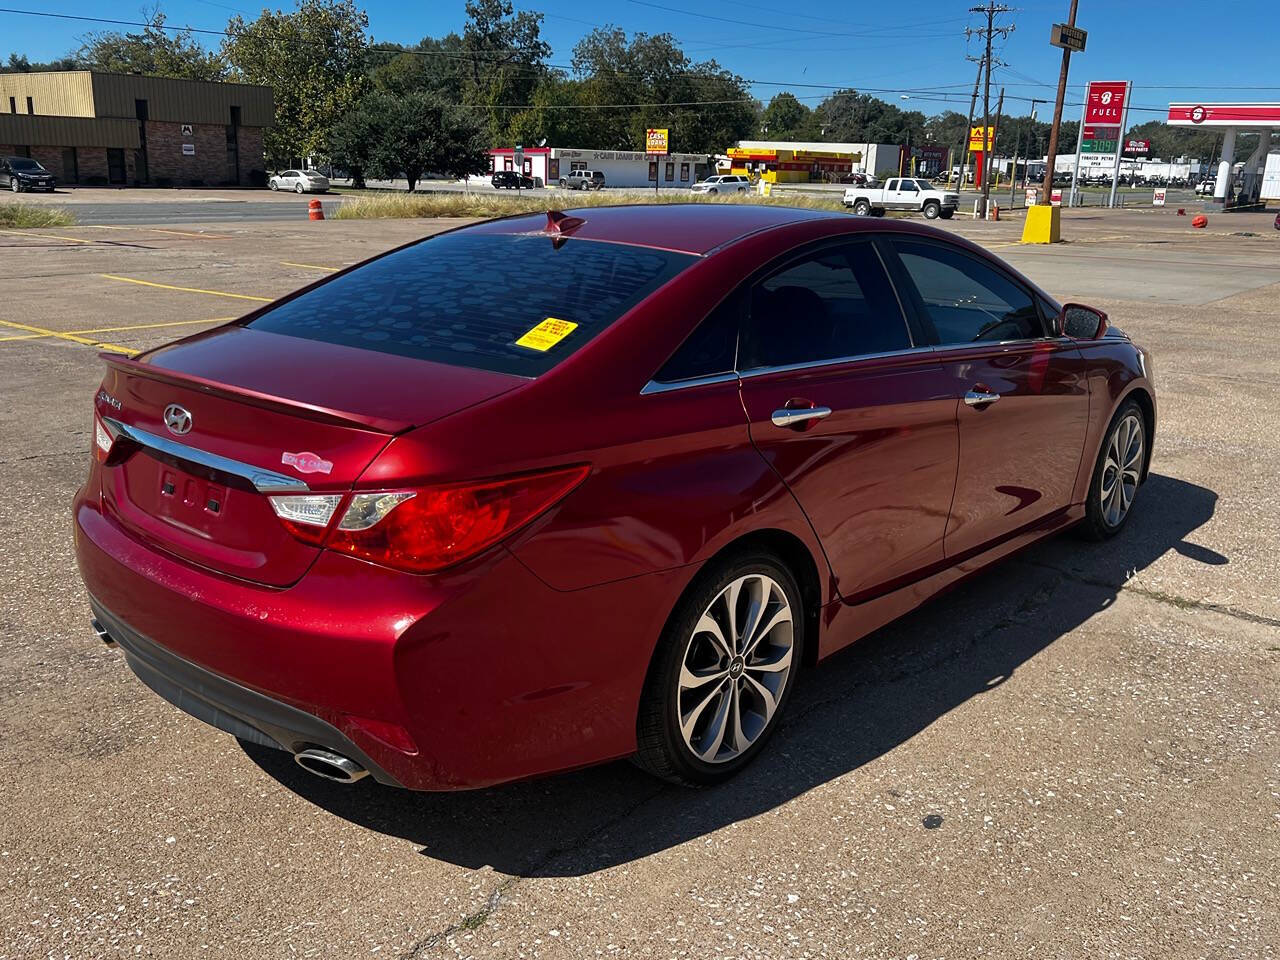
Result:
1077,754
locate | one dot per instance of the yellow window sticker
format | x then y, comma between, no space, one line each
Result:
547,334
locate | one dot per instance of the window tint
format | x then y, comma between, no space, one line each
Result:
835,303
966,300
711,348
465,299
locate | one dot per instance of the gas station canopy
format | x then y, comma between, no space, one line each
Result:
1258,118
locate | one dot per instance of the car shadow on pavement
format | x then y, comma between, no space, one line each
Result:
852,709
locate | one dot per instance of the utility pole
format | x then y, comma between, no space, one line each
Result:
1013,180
968,124
1052,153
992,10
995,131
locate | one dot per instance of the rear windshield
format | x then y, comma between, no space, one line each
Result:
507,303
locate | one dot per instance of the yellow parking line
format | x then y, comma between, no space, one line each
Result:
134,326
166,286
310,266
47,236
150,326
84,341
176,233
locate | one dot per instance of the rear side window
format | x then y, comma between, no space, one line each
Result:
829,305
966,300
711,349
467,299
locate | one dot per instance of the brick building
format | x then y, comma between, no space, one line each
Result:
104,128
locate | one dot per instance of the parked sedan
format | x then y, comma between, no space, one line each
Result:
23,173
299,181
544,492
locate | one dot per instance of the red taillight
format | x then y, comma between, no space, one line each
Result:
430,528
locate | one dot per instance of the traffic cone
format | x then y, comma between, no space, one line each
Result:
315,211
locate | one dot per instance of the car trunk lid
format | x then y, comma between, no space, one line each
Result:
253,415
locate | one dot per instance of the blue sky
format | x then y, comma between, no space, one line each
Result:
1166,48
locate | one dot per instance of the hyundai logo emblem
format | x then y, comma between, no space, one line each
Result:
177,419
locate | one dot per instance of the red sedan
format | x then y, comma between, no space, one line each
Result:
551,490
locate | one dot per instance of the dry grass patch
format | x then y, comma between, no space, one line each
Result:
31,215
375,206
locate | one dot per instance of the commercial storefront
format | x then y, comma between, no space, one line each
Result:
621,168
116,129
793,161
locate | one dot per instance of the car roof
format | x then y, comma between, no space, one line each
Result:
696,228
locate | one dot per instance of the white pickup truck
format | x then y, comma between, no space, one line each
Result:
902,193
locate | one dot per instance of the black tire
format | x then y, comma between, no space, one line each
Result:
661,748
14,185
947,214
877,211
862,208
713,190
931,209
1096,525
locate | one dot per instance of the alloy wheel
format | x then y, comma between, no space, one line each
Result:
1121,469
735,668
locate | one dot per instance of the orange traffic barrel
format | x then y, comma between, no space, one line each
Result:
1200,221
315,211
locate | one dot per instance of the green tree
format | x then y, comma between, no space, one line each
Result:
557,115
786,118
438,66
154,52
705,106
503,54
313,59
18,63
351,142
389,136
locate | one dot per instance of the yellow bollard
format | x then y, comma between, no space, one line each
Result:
1043,224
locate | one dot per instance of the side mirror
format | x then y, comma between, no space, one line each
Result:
1081,323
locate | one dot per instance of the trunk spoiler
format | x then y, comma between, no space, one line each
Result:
255,398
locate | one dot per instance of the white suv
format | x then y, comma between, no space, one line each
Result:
723,183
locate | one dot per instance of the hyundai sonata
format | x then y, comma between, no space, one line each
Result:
449,525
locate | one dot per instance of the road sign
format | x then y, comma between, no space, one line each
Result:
1068,37
655,141
1104,102
1157,198
1033,196
975,139
1055,198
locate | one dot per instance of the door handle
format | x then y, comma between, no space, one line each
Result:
791,417
980,398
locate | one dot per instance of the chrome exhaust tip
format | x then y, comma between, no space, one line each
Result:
330,765
101,631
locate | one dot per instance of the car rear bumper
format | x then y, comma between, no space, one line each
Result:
450,681
225,704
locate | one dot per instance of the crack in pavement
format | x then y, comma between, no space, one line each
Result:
1172,599
78,452
477,919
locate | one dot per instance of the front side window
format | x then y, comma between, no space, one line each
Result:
966,300
829,305
442,300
